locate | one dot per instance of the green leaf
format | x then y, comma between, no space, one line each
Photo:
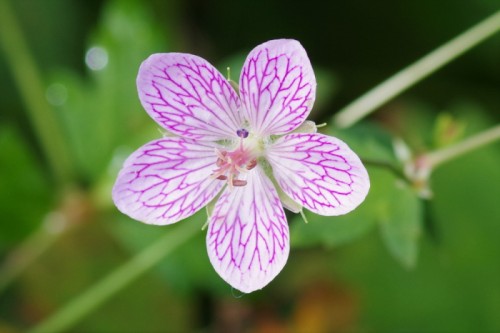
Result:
188,267
24,194
368,141
455,285
394,204
400,217
330,231
102,111
391,204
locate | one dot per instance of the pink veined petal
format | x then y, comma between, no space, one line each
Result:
186,95
167,180
319,172
277,86
248,239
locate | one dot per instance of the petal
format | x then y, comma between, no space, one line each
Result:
166,181
319,172
248,240
188,96
277,86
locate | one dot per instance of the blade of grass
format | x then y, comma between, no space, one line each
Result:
18,259
417,71
117,280
29,82
438,157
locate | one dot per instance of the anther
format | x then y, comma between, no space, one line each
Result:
239,182
252,164
221,154
221,177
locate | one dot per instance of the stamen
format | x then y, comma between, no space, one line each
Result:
239,182
238,168
252,164
221,154
233,163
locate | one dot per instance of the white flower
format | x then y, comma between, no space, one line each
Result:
237,144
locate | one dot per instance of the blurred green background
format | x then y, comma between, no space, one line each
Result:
69,115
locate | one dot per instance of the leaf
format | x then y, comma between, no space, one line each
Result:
102,111
399,217
390,203
188,267
455,286
22,185
368,141
329,231
396,207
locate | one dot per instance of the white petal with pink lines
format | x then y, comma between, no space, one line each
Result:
167,180
247,239
277,87
188,96
319,172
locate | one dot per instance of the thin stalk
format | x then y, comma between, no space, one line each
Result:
103,290
438,157
31,88
417,71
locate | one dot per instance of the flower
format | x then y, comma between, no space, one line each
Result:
249,147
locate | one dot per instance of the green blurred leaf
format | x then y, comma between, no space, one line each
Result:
25,194
368,140
329,231
391,203
455,285
83,256
188,268
102,111
400,220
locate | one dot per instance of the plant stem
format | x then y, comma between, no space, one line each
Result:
88,301
440,156
417,71
29,83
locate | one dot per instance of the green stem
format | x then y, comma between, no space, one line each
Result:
79,307
440,156
417,71
29,83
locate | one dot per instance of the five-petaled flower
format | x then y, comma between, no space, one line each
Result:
248,146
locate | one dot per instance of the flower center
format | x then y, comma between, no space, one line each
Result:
230,164
242,133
